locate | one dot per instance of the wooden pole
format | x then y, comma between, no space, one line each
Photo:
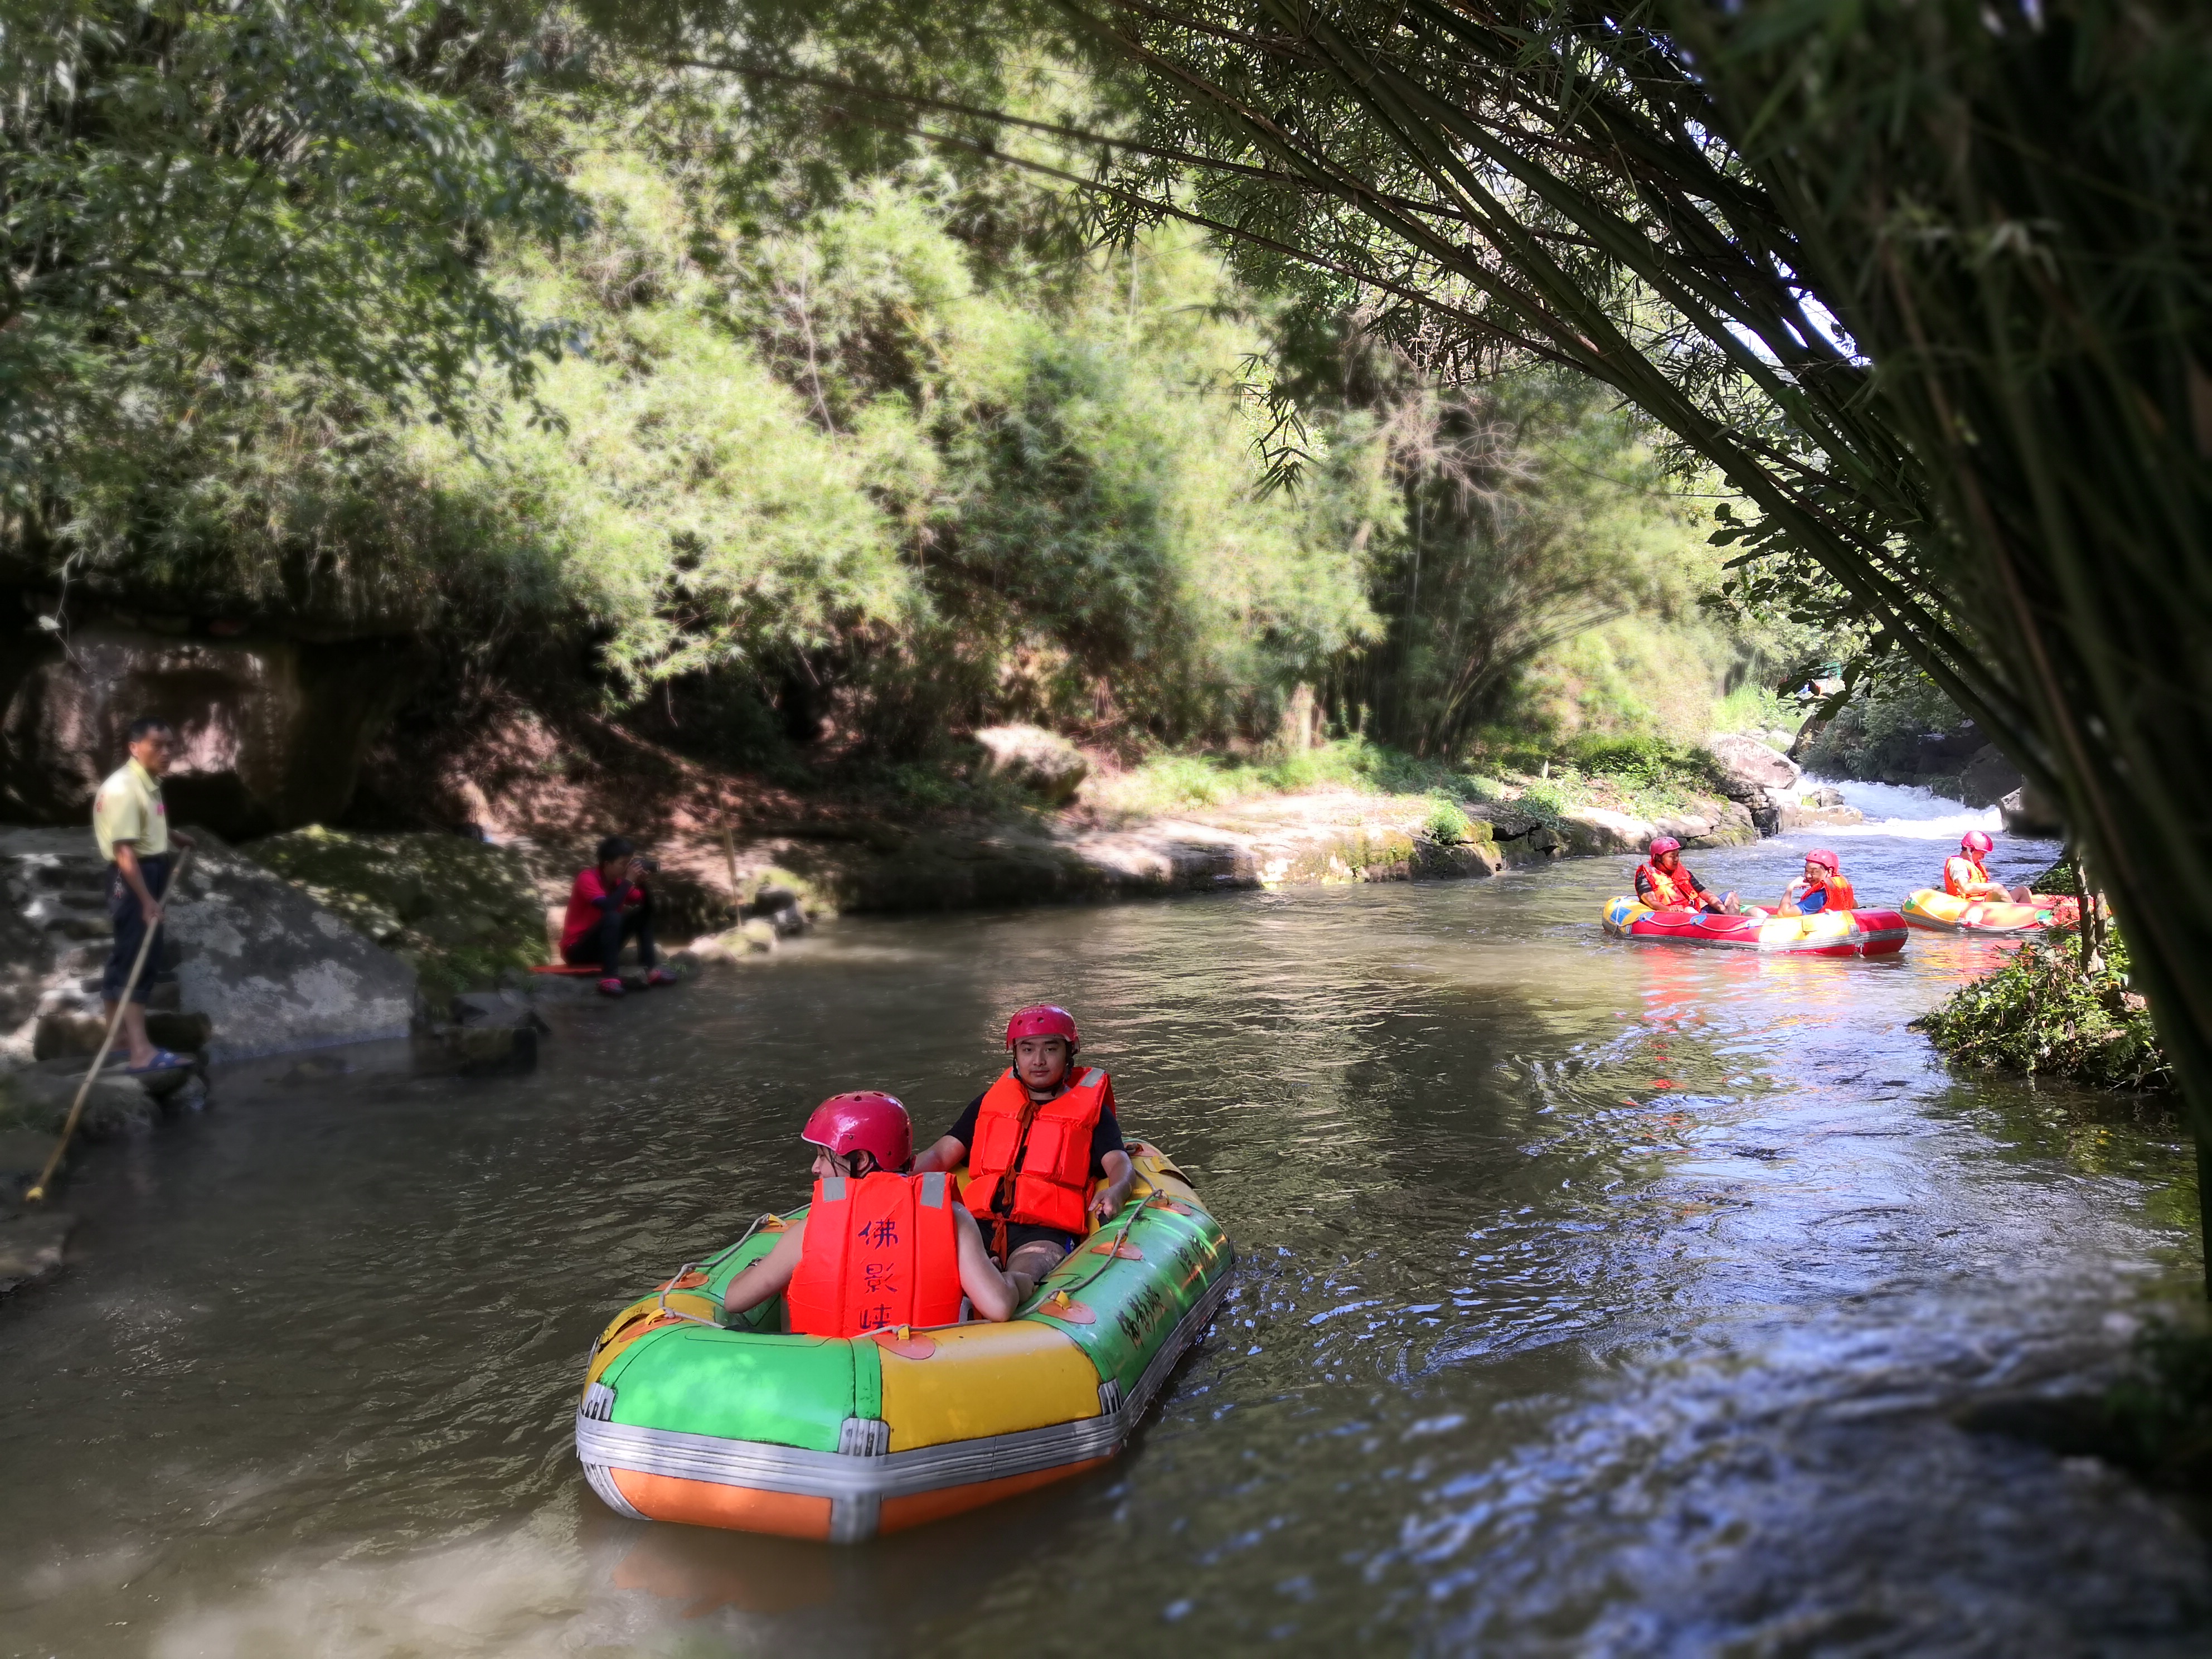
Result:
38,1192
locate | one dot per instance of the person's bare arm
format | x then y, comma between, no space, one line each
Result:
1121,1176
950,1153
989,1292
767,1277
134,876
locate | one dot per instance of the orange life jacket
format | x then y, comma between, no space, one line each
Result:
1961,875
1031,1164
1669,891
1840,895
880,1251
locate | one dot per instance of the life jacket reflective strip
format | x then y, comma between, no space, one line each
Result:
1670,891
1030,1163
1961,874
881,1251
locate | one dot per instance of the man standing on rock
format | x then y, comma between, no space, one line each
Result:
132,827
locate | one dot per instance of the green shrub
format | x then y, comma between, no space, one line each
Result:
2041,1014
1446,825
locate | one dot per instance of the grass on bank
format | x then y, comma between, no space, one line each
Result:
1644,776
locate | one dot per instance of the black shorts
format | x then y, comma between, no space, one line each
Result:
131,930
1019,1233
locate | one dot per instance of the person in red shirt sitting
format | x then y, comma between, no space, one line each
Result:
879,1247
608,906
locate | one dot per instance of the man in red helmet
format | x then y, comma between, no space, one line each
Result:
877,1248
1824,886
1966,876
1665,883
1036,1142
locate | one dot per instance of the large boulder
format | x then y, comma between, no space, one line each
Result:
1988,777
460,911
1748,768
1040,762
2028,812
1597,830
272,732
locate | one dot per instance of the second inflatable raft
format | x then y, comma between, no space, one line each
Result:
1825,933
685,1419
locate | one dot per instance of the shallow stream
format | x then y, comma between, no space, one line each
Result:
1592,1299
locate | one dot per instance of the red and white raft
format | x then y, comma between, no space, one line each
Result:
1825,933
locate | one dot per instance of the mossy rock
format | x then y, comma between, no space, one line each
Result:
460,911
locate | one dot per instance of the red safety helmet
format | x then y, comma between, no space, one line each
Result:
1975,841
865,1120
1043,1019
1665,844
1825,860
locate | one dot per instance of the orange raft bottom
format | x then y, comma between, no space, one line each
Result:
795,1515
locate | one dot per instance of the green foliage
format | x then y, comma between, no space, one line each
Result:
1446,824
1544,572
1756,709
460,911
199,192
1877,735
2041,1013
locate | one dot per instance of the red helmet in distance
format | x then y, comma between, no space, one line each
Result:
1825,859
1975,841
1665,844
865,1120
1043,1019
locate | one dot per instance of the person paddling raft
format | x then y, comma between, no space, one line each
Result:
879,1247
1034,1142
1665,883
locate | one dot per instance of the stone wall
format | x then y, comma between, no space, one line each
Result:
273,731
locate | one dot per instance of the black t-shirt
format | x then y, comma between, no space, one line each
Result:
1105,1134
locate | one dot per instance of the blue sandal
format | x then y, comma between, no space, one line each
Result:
163,1060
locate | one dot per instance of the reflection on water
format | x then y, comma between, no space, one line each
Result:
1593,1298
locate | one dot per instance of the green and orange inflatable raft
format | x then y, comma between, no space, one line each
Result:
687,1417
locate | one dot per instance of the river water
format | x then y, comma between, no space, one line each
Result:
1593,1298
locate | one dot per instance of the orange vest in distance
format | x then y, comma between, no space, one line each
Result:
879,1252
1052,1187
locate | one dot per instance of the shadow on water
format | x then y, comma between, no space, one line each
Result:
1591,1299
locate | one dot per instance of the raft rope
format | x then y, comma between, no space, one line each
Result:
1136,1210
707,1269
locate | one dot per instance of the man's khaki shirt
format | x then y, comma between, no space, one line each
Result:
129,808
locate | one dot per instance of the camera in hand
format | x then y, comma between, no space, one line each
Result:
646,863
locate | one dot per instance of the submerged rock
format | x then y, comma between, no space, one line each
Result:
31,1247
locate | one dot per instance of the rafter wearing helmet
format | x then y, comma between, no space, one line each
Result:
1037,1142
1665,883
879,1247
1965,875
1824,886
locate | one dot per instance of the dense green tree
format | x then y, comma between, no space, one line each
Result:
1924,281
200,190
